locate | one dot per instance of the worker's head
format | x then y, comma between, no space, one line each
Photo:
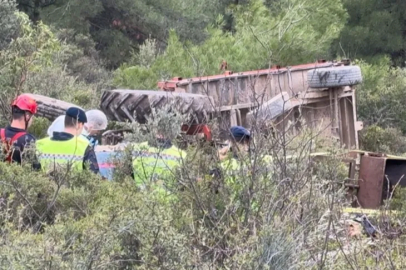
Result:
96,122
23,109
75,119
240,137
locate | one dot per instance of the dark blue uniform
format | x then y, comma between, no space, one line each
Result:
18,146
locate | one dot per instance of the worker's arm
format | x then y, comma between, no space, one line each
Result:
90,157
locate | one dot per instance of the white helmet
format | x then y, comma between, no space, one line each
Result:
96,120
57,125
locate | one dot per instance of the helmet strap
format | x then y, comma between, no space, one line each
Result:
26,121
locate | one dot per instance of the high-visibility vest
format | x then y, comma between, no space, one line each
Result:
62,154
232,170
234,166
235,169
155,165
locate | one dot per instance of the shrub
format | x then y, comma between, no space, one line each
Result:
279,213
384,140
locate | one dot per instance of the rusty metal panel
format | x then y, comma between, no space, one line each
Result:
348,130
272,80
371,181
321,117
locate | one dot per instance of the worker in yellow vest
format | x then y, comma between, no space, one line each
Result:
234,155
236,162
67,149
155,164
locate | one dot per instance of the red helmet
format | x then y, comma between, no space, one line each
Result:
25,103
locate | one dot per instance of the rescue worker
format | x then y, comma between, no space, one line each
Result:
240,143
68,148
236,165
155,164
96,122
15,137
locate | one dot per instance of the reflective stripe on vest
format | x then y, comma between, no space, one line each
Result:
151,163
62,153
61,157
161,155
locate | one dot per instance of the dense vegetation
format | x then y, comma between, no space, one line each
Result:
72,49
94,45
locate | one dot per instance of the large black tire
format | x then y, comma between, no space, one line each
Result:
51,108
334,77
133,105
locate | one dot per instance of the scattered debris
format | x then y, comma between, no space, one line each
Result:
354,229
369,229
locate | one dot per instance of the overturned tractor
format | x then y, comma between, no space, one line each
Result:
322,94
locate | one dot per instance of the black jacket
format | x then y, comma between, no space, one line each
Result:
22,142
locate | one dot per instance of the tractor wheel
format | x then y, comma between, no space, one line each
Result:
51,108
334,77
134,105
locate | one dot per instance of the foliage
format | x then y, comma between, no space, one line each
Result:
376,139
280,209
165,121
380,99
273,212
8,22
29,52
78,221
284,35
85,223
398,202
147,53
119,26
81,58
380,105
37,62
277,214
39,127
374,28
141,77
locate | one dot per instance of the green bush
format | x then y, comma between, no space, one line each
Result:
36,61
39,127
280,210
383,140
278,213
262,37
380,98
